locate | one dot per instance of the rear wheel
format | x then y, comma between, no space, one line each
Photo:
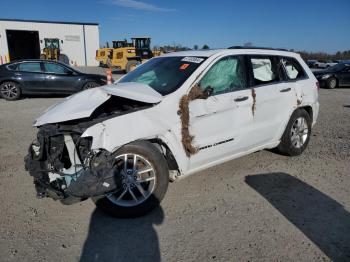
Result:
297,134
131,65
145,177
332,83
10,91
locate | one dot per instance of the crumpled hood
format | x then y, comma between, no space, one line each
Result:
84,103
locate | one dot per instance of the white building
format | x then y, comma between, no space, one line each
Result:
21,39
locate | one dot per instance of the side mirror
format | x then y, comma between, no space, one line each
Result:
208,91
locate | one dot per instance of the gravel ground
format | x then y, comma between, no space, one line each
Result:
261,207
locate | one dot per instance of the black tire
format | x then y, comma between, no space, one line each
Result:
332,83
89,85
148,151
10,91
131,65
286,146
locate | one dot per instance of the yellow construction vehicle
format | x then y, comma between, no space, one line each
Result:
123,58
103,54
126,56
51,50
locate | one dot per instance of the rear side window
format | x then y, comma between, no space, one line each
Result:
292,68
265,70
29,67
226,75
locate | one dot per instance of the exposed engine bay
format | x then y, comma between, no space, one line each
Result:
62,163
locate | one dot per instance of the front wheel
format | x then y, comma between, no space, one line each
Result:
145,177
332,83
297,134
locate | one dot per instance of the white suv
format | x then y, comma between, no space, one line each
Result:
169,118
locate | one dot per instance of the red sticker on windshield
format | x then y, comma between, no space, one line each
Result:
184,66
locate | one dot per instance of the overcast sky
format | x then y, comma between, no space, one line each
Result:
303,25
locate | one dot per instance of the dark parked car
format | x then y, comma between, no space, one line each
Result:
43,77
334,76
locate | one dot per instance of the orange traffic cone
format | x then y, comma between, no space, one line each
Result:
109,76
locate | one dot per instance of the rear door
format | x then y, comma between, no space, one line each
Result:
30,75
274,99
59,78
219,123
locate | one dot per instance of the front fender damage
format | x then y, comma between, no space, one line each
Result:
54,162
63,163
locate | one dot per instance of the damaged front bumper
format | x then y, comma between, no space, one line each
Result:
64,168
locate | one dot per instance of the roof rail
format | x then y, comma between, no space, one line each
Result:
256,47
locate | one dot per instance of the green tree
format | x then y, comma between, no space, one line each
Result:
205,47
195,47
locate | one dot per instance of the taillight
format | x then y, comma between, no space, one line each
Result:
318,85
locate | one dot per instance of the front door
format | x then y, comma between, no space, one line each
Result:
344,77
59,78
218,123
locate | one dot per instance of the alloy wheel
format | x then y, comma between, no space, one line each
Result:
9,90
299,132
332,83
138,180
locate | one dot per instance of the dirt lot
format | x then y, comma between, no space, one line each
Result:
262,207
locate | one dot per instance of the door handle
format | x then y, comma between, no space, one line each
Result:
285,90
18,74
240,98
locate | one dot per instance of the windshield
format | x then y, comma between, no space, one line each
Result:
164,74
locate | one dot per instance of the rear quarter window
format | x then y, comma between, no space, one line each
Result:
293,69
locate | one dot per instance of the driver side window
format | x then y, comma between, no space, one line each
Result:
225,76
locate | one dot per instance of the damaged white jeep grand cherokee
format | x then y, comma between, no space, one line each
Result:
171,117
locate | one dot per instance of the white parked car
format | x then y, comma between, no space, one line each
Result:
171,117
324,64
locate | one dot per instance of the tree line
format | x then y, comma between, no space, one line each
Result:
178,47
340,55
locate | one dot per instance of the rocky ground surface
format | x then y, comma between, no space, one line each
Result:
261,207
